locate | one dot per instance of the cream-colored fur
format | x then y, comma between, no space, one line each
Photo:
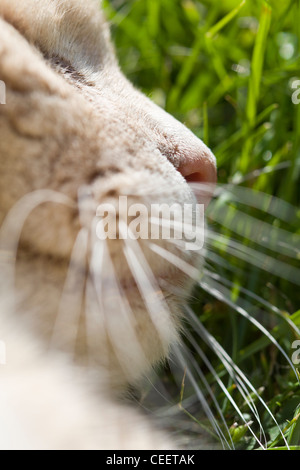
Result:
75,133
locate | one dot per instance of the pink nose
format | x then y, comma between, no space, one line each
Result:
198,166
190,156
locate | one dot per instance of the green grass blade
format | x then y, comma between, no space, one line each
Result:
255,82
257,63
294,431
224,21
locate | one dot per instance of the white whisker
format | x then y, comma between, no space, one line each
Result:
254,296
223,294
238,379
189,270
118,318
219,261
264,202
251,256
11,230
225,358
67,319
204,380
180,356
257,231
149,289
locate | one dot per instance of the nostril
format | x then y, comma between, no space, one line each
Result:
199,168
194,178
197,177
189,155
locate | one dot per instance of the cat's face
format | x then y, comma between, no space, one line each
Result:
73,125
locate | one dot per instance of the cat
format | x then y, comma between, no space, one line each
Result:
82,320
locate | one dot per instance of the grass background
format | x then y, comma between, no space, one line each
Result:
226,69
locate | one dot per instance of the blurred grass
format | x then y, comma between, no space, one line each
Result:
226,70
